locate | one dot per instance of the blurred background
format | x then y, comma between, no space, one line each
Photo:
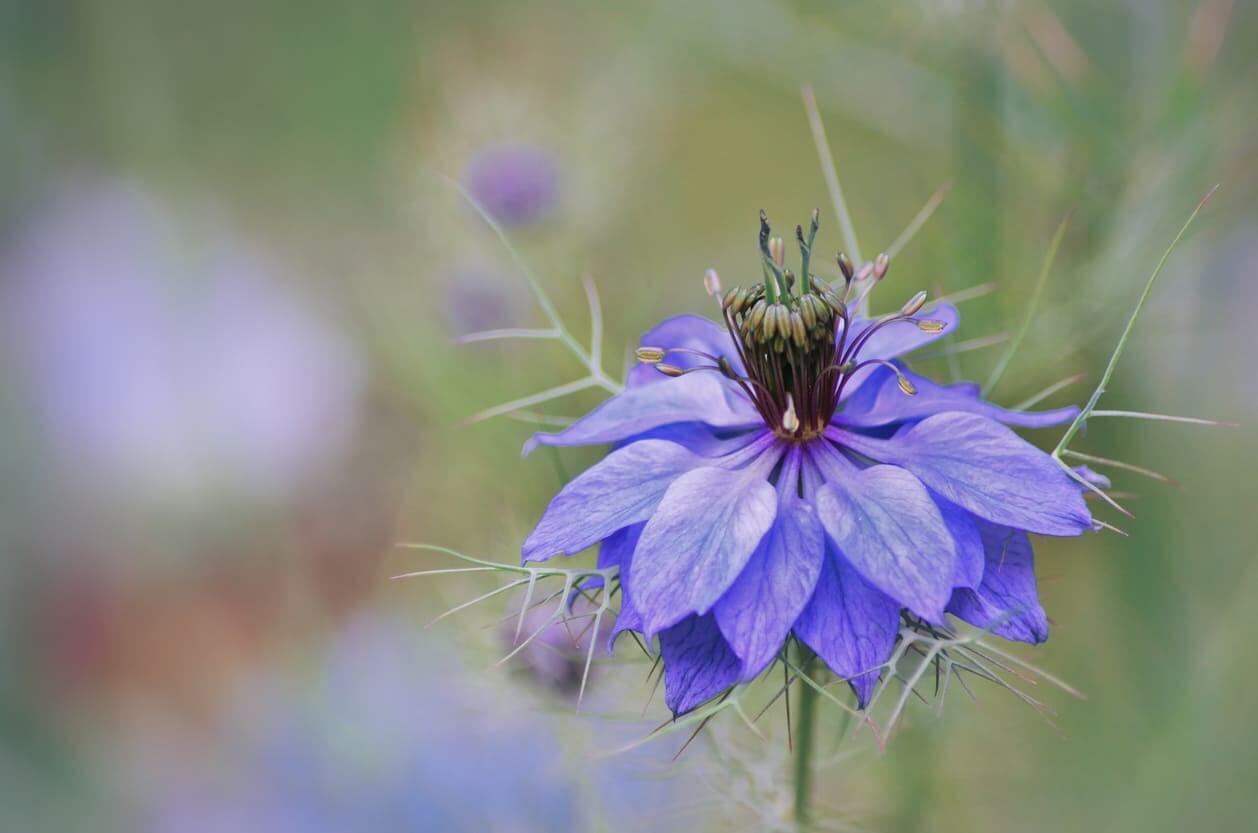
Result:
230,275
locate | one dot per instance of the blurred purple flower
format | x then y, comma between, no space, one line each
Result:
516,183
157,364
556,657
478,297
379,739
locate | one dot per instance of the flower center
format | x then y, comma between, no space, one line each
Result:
796,338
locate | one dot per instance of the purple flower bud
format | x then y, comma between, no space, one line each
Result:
517,184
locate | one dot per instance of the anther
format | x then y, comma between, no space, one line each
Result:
650,355
845,266
905,385
798,333
669,370
930,325
757,315
712,282
864,272
881,264
914,304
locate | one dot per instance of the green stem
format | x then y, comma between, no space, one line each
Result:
806,713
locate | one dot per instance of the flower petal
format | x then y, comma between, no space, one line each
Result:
698,664
690,332
880,401
696,397
1006,602
986,468
617,550
896,339
758,610
850,624
622,489
698,541
885,524
969,545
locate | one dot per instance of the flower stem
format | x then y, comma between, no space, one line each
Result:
805,718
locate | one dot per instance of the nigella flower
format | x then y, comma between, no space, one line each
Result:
787,474
517,184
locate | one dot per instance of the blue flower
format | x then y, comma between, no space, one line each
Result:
787,474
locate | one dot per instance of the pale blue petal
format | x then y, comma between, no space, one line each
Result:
617,551
896,339
1006,602
850,624
704,397
691,332
986,468
698,541
758,610
698,664
622,489
969,544
885,524
880,401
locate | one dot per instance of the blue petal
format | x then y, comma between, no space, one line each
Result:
896,339
1006,603
690,332
696,397
757,611
850,624
622,489
880,401
698,664
986,468
885,524
617,551
698,541
969,545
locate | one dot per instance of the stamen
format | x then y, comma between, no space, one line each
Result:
650,355
930,325
669,369
914,304
881,264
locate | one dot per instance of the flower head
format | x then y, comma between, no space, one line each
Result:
787,474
